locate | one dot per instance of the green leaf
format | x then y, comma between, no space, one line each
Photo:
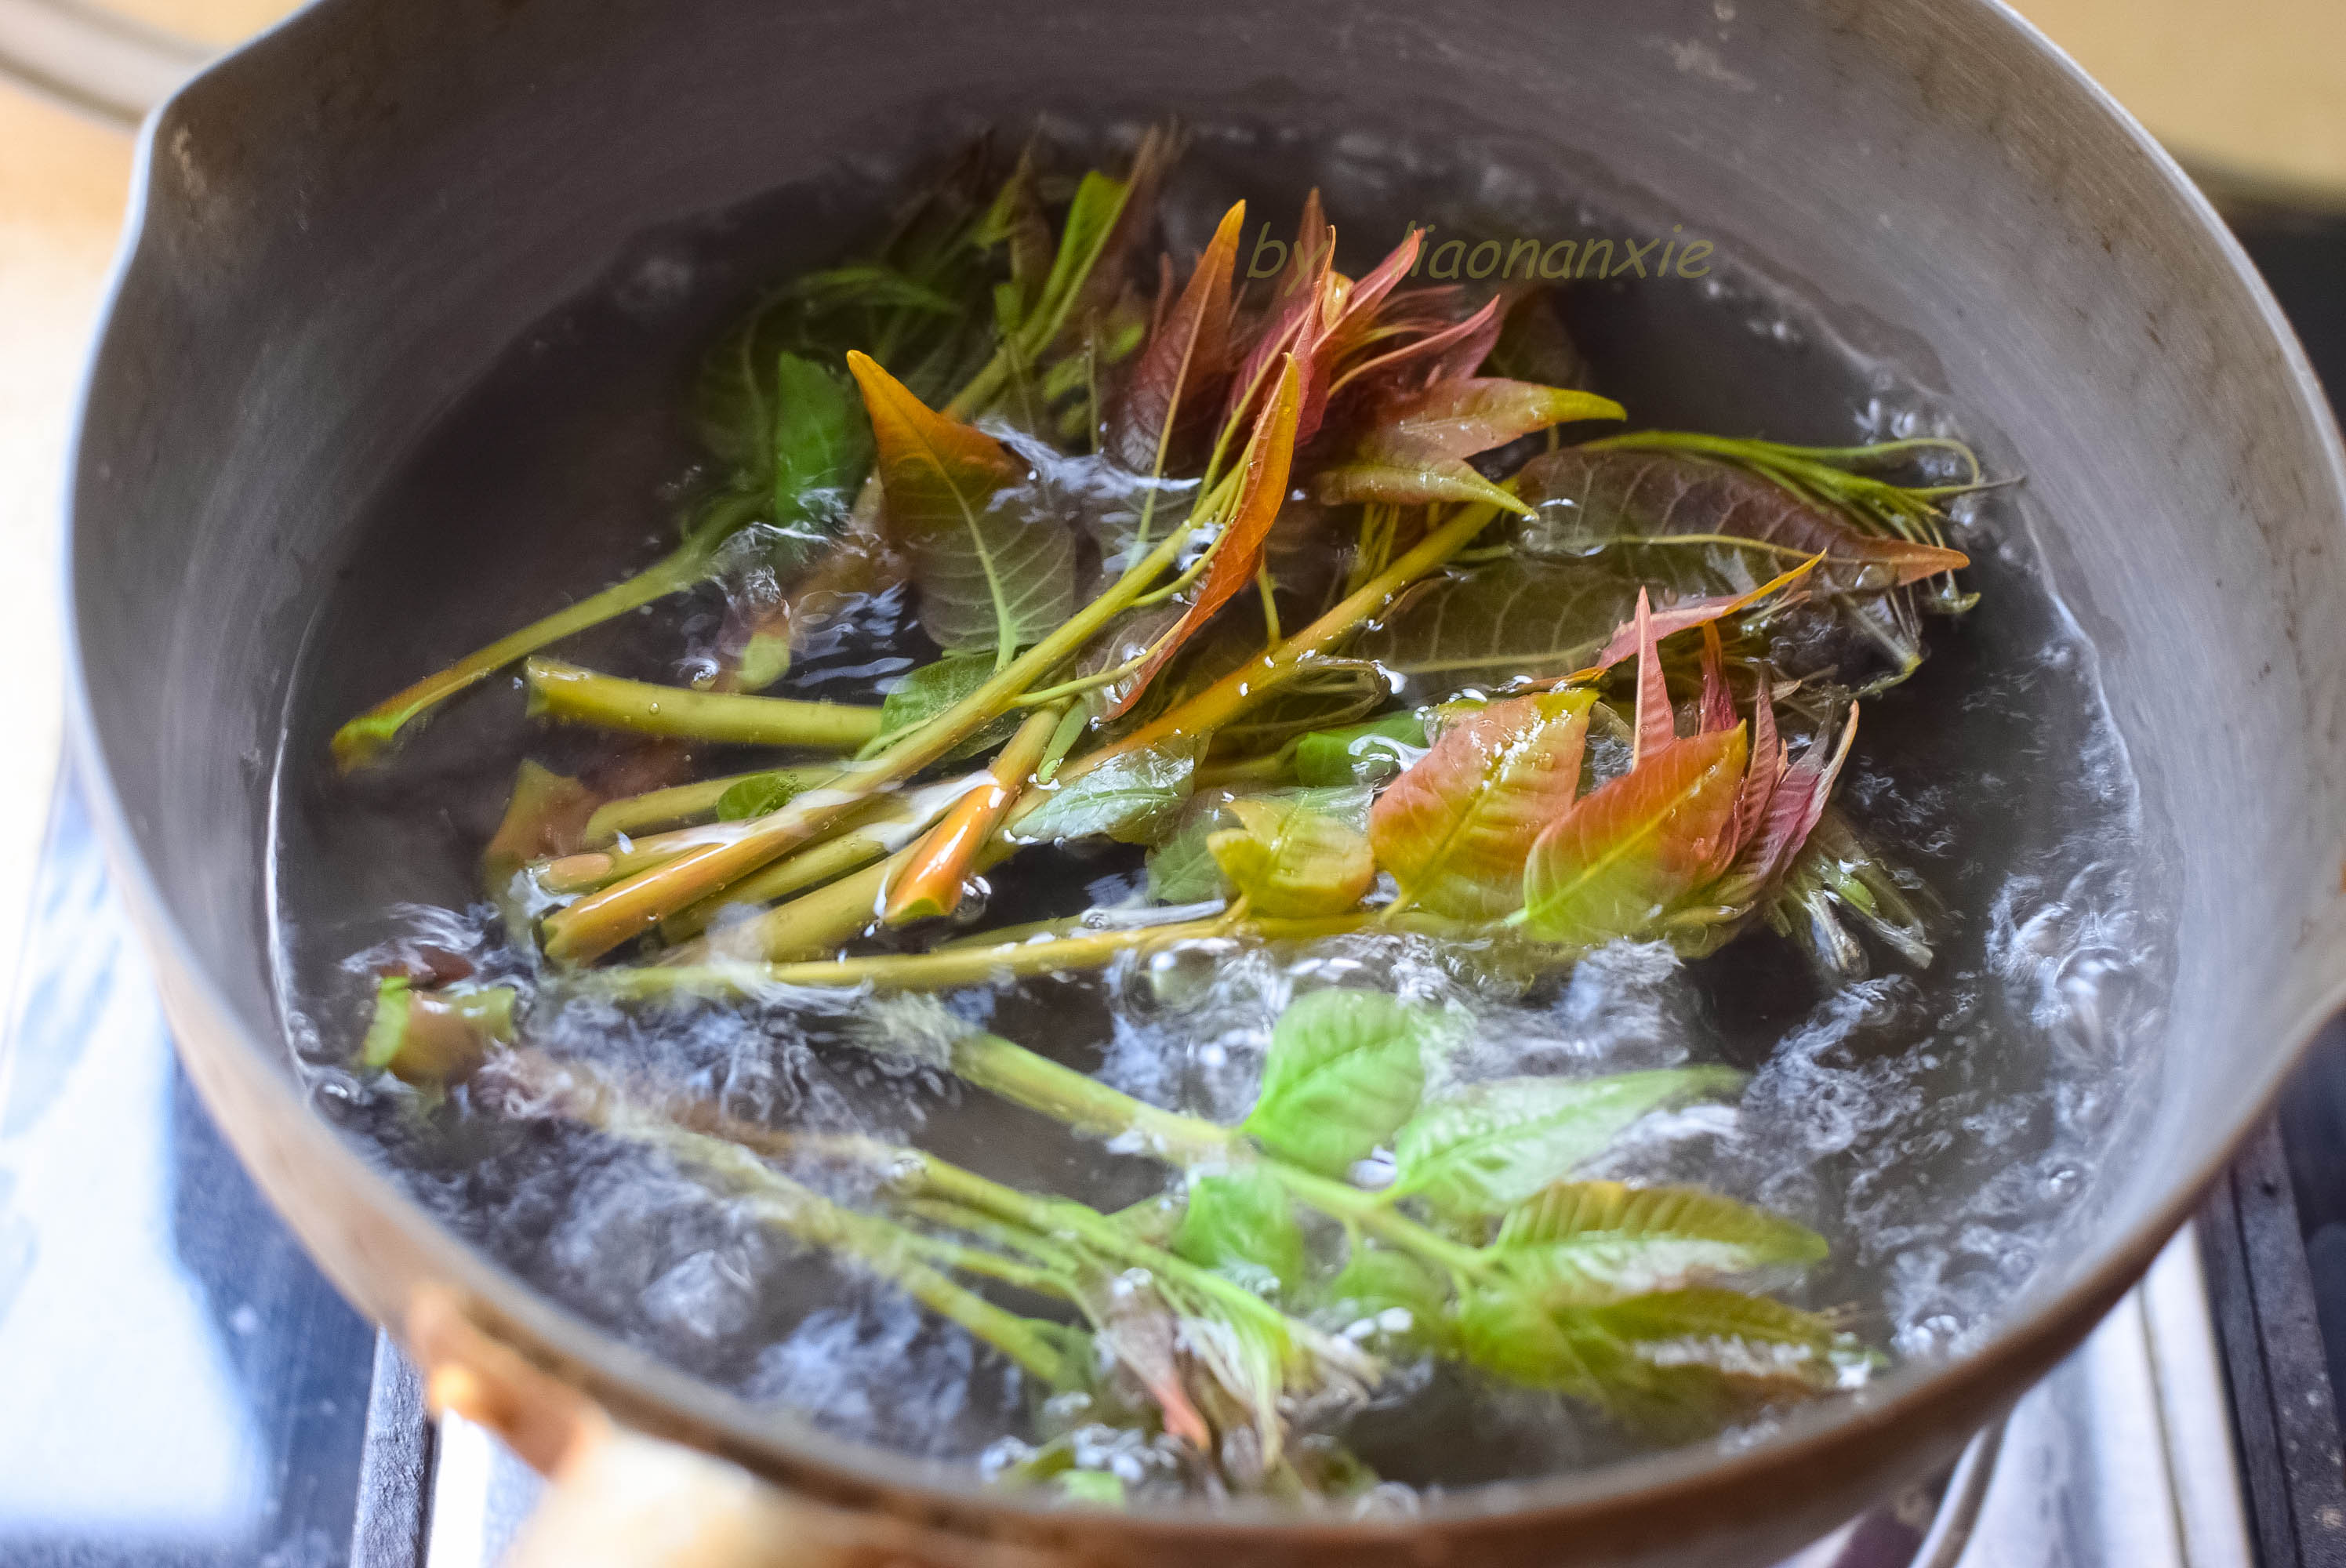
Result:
1492,1145
1693,1359
1678,1364
925,692
1455,828
1183,870
730,412
765,659
1376,1281
1509,1335
1581,1244
928,690
1368,753
1584,495
1290,862
990,575
871,286
1091,219
1134,797
1345,1069
1511,620
1242,1223
1092,1488
821,446
1623,857
393,996
758,795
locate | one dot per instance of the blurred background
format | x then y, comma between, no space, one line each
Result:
177,1386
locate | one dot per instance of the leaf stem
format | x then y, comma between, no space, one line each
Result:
1026,1078
367,738
1246,685
680,804
939,970
591,868
578,696
934,879
595,925
880,829
878,1246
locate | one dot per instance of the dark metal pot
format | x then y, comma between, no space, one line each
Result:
336,228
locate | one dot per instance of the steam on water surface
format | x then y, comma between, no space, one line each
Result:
1940,1129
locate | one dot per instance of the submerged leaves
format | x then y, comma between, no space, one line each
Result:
1291,861
1577,1243
1044,430
1242,1223
1414,452
1455,829
1507,621
1345,1071
991,574
1622,857
1583,498
1134,797
1490,1145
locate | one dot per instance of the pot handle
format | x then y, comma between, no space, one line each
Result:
618,1498
110,66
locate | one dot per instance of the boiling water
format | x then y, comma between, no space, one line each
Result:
1940,1129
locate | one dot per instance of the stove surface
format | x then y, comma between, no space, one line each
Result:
184,1389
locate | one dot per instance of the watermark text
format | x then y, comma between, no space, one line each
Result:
1530,259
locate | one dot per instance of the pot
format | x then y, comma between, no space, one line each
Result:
337,227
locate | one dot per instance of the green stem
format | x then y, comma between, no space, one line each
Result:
839,909
1830,456
1022,1077
836,856
920,1172
1374,1214
1221,496
1045,1252
682,804
884,1249
1257,679
978,1260
576,695
595,925
367,738
810,924
936,971
1270,767
1729,541
591,868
